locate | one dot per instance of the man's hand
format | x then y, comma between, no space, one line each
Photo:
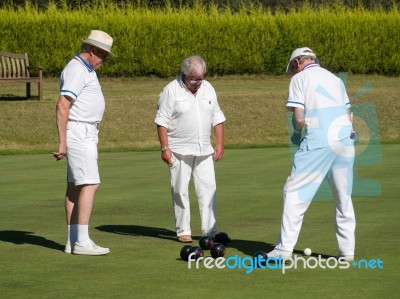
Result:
354,136
166,156
218,152
61,153
296,138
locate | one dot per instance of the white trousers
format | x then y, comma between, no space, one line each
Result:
310,167
202,170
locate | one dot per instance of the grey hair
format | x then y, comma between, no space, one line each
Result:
192,64
305,57
85,47
301,59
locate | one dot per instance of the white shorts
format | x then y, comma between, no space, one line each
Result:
82,139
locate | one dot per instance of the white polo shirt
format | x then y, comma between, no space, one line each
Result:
79,81
189,118
323,97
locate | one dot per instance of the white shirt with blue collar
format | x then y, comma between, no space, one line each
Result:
79,81
323,97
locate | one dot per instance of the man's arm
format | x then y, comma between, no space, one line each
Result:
219,146
298,120
349,115
62,115
166,154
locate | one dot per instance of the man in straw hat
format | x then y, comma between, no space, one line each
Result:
321,108
80,109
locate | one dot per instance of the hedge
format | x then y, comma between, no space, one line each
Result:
253,40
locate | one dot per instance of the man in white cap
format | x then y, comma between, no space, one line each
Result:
187,111
321,110
80,109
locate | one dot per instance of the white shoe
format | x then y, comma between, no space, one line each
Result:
347,258
276,253
90,249
68,248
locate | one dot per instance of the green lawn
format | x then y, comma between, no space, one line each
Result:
133,216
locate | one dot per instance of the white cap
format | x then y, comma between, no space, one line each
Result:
100,40
300,52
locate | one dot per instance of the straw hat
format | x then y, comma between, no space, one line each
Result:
99,39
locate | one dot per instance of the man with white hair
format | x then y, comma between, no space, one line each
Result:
321,108
80,109
187,110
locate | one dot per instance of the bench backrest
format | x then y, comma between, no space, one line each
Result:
13,65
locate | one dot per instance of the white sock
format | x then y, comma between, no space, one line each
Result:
83,234
73,233
69,231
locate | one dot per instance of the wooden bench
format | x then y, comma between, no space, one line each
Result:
15,68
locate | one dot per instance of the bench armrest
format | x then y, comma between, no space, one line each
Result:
37,69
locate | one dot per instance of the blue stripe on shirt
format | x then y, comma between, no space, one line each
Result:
296,103
68,91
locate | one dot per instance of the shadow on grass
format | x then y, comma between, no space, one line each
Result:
22,237
249,247
137,230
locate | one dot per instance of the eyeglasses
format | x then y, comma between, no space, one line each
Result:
101,54
194,81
